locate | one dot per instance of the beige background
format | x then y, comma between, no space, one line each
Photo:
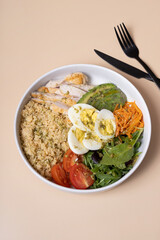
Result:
37,36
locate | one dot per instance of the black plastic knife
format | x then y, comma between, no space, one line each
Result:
135,72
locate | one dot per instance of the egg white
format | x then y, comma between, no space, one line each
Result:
75,145
91,143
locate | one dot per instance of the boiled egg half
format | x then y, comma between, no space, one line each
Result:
83,116
91,128
105,124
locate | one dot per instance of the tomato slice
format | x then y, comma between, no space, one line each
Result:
69,159
81,176
59,175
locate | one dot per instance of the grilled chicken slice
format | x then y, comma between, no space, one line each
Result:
56,106
68,90
59,107
74,78
71,90
69,101
43,89
63,93
83,87
54,84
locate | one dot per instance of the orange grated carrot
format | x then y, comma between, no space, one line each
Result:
128,119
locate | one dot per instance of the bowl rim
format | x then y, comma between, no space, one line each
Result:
16,133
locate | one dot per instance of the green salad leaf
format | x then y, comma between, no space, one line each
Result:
103,174
118,155
115,159
121,153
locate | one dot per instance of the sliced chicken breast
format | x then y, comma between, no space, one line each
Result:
77,78
56,106
53,83
74,78
83,87
54,98
71,90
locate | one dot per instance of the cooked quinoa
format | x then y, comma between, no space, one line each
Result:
44,136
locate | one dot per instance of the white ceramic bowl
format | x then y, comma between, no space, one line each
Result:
97,75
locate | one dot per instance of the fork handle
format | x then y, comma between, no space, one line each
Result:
152,75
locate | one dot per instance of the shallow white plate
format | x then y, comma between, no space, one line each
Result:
97,75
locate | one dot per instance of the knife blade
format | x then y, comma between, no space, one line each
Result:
135,72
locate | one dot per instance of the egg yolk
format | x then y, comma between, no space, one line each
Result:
106,127
88,118
93,137
79,134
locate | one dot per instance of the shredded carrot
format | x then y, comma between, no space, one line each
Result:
129,118
116,107
120,139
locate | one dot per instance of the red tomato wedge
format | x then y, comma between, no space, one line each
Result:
81,176
59,175
69,159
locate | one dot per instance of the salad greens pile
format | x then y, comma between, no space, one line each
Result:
115,159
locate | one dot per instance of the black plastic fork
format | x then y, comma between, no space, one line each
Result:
130,49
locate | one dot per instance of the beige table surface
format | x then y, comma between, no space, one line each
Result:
37,36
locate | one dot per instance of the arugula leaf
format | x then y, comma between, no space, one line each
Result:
88,159
135,136
106,174
103,174
120,154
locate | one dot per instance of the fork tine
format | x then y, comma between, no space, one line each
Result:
119,40
125,35
124,42
128,34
